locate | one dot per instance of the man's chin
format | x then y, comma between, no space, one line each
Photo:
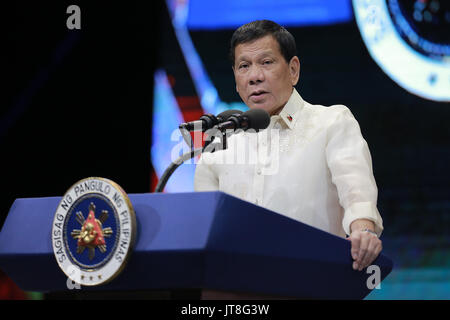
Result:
268,108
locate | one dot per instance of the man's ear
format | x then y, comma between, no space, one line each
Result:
294,70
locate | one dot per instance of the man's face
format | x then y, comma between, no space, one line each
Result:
264,79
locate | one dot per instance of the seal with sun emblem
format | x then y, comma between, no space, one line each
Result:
94,231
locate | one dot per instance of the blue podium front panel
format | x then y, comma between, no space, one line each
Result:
196,240
256,250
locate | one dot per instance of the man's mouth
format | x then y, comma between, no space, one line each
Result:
257,93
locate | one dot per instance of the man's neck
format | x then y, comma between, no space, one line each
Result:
278,110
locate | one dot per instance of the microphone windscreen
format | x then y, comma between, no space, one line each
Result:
258,119
223,116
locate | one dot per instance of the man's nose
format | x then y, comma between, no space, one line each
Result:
256,75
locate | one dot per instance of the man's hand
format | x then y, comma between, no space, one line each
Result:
365,245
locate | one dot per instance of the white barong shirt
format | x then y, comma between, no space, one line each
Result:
311,164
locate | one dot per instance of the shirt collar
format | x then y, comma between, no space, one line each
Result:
291,111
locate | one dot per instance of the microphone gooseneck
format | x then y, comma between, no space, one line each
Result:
256,119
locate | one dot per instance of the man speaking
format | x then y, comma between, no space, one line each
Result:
323,172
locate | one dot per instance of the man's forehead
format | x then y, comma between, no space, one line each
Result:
266,45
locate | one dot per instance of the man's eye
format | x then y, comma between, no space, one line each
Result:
267,62
243,66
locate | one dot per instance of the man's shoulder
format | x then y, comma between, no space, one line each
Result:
329,112
333,109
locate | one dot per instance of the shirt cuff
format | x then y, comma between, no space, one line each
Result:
362,210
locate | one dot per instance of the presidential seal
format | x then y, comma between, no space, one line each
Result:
93,231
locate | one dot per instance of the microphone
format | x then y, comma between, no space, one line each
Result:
230,119
253,119
208,121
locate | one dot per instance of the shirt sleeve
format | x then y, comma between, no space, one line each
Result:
350,164
205,179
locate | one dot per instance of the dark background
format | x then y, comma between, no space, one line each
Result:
76,103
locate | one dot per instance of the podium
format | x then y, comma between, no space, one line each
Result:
210,241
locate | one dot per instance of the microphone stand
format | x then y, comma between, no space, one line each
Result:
243,121
173,166
186,135
209,147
